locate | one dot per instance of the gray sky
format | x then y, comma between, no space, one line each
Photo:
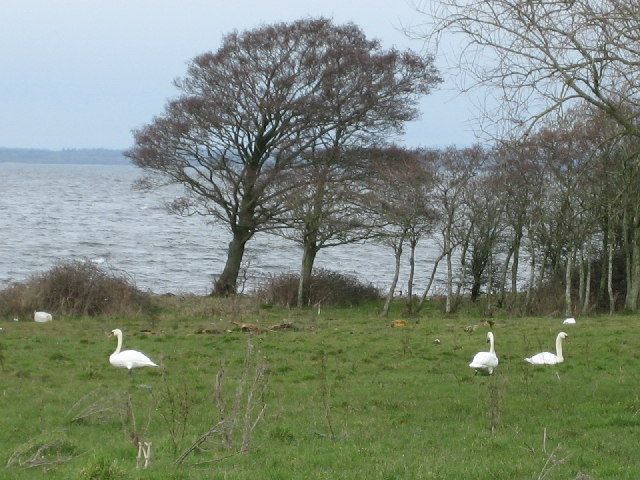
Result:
83,73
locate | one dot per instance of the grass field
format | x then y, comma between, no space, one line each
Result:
346,397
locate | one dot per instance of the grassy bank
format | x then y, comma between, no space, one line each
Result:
346,396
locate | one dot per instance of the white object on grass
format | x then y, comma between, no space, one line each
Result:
42,317
486,362
547,358
569,321
128,358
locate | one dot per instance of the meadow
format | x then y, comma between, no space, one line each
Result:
347,397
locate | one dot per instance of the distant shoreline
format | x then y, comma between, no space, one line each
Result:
80,156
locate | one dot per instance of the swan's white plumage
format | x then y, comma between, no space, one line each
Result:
486,361
42,317
569,321
128,358
547,358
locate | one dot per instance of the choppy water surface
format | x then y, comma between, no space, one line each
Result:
59,212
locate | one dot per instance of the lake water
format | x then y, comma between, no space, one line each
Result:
50,213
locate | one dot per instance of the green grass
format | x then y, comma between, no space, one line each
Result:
400,405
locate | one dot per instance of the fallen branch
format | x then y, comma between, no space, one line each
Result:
200,440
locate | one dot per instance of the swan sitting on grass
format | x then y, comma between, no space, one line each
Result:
546,358
42,317
128,358
486,361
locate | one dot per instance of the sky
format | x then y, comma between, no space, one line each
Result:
84,73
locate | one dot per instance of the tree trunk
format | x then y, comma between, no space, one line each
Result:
489,284
503,275
412,266
627,257
428,287
631,302
532,276
475,288
463,262
398,252
581,279
602,287
309,253
543,268
515,265
587,286
226,283
568,309
612,300
447,247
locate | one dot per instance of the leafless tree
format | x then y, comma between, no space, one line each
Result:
519,183
323,210
454,169
249,112
400,198
485,215
545,55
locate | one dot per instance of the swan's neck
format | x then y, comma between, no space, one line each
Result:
119,335
559,348
491,347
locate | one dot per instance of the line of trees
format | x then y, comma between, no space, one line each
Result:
284,130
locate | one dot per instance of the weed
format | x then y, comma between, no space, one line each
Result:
102,469
239,418
174,404
44,451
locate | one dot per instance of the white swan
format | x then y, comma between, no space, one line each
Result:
486,361
42,317
128,358
569,321
546,358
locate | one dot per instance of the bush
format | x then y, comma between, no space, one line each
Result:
326,288
74,288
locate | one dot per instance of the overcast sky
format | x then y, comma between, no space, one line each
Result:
83,73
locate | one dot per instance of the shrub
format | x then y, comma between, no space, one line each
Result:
75,288
326,288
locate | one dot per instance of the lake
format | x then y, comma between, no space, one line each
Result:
51,213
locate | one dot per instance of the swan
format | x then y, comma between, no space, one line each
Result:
128,358
42,317
546,358
569,321
486,361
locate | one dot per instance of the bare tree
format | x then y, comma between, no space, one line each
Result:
543,55
519,182
454,168
363,110
400,198
249,111
323,209
485,214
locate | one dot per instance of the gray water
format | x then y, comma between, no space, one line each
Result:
51,213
